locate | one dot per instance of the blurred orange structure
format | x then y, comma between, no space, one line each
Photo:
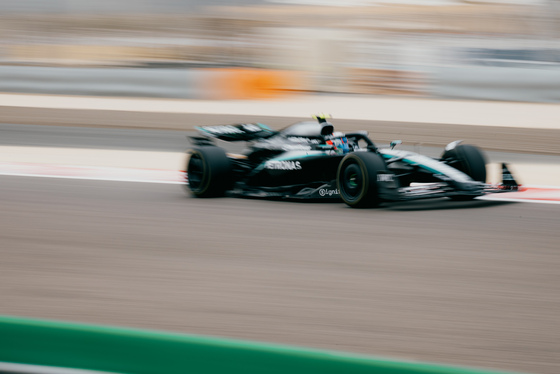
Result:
249,83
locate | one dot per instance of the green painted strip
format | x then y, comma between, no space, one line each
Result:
90,347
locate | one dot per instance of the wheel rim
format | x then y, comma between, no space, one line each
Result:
352,180
195,171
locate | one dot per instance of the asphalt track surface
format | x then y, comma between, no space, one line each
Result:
471,283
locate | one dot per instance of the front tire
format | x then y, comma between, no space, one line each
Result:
468,159
356,179
209,172
471,161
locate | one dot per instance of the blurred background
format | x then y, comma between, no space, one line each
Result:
495,49
468,283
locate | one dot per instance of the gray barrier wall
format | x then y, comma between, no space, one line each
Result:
169,83
497,83
471,82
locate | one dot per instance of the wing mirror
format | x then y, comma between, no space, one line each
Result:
395,143
452,145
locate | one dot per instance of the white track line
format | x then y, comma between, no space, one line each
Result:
92,173
460,112
10,367
492,198
10,174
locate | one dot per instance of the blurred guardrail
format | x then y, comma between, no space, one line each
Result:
117,350
497,83
230,83
467,82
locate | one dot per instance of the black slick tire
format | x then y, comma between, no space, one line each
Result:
471,161
468,159
356,179
209,172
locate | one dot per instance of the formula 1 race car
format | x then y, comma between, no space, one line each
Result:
309,160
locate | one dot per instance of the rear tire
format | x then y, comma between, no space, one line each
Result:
356,179
471,161
209,172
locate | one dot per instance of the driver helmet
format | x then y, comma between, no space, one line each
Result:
339,143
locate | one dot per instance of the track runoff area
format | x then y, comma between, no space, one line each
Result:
529,193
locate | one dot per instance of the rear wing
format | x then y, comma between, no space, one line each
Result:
237,132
